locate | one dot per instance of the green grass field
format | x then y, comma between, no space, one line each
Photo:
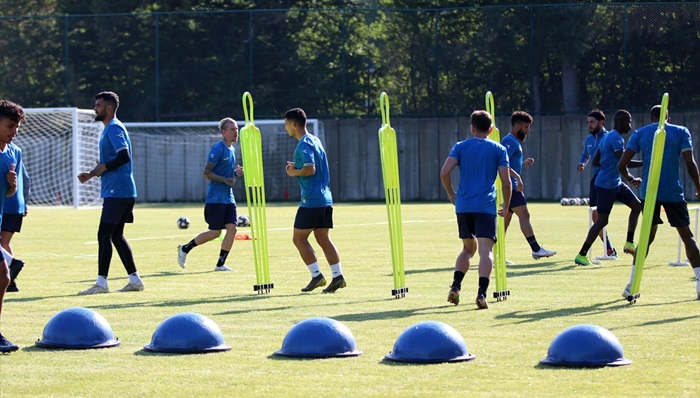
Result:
659,333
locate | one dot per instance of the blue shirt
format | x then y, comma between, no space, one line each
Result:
478,160
117,183
7,159
315,189
515,155
590,146
224,158
15,204
608,176
677,141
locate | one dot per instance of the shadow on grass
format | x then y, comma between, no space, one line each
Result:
145,353
194,301
146,277
35,298
393,314
534,316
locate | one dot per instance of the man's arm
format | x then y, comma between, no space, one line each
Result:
445,177
307,170
692,170
504,174
622,167
518,180
584,158
209,175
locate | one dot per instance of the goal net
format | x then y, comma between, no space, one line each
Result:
57,144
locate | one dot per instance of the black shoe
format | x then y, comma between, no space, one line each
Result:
316,281
15,268
337,283
12,287
6,346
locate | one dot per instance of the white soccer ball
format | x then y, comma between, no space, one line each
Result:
243,221
183,222
572,201
564,201
577,201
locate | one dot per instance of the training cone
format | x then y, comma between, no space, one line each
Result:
430,342
77,328
319,338
584,346
187,333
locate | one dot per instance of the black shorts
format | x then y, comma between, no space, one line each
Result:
517,199
11,222
314,217
606,197
676,213
217,215
117,210
479,225
593,193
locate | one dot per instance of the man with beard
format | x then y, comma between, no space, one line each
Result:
118,192
520,127
610,188
596,126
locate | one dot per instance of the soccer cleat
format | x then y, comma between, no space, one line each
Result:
316,281
181,256
222,268
133,287
12,287
543,253
453,296
629,248
626,293
481,303
582,260
6,346
611,252
96,289
336,283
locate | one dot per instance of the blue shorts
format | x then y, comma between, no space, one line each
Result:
217,215
606,197
517,199
314,217
117,211
11,222
593,192
676,213
479,225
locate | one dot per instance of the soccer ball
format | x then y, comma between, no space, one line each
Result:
564,201
243,221
572,201
183,222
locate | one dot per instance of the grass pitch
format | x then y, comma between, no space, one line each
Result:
659,333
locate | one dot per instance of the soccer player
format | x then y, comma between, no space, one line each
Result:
596,128
220,210
13,213
520,128
479,161
670,193
11,117
315,213
610,188
119,193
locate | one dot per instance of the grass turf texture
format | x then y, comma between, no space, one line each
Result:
659,333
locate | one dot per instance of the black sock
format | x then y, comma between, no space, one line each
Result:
483,285
189,246
457,281
584,249
533,243
630,236
607,243
222,258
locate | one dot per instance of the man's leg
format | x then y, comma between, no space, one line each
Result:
308,256
461,269
485,247
323,238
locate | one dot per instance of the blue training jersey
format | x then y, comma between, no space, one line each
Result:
117,183
224,158
515,155
478,160
315,189
608,176
590,145
678,140
15,204
7,159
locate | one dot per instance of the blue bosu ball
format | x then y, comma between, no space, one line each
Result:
187,333
582,346
430,342
319,338
77,328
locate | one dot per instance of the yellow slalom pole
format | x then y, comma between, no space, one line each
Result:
657,155
499,253
251,151
392,192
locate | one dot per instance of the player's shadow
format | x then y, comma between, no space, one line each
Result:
193,301
393,314
535,316
34,298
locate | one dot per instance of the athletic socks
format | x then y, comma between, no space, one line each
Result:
483,285
222,257
584,249
101,281
697,279
314,268
189,246
335,270
533,243
457,281
630,236
134,278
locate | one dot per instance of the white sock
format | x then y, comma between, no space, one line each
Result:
629,284
697,279
315,269
335,270
101,281
134,278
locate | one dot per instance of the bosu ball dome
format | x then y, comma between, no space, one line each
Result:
77,328
430,342
319,338
582,346
187,333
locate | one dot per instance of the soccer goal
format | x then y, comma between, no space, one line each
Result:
57,144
